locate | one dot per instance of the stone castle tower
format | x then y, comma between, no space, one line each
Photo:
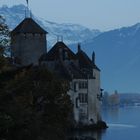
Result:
28,41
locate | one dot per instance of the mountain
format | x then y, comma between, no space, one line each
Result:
117,51
118,56
72,33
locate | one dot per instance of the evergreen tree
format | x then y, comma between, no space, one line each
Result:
4,33
4,42
34,105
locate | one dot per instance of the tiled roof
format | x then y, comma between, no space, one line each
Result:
28,25
77,66
68,71
85,61
54,53
61,71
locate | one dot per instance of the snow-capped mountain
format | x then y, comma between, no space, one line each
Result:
72,33
117,51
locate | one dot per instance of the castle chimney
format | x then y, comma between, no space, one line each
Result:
79,47
93,57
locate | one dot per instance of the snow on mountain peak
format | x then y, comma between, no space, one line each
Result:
72,33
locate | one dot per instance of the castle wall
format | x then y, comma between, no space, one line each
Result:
73,92
86,112
98,91
79,106
27,48
93,97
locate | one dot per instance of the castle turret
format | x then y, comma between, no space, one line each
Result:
28,41
79,47
93,58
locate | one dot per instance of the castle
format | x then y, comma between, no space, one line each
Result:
28,46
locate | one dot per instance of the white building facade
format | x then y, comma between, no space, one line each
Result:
86,98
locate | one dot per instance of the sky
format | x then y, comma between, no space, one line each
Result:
95,14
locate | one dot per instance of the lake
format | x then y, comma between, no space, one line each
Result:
124,124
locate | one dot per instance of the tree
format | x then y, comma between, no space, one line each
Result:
36,105
4,33
4,42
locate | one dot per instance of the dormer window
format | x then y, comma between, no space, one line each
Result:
65,54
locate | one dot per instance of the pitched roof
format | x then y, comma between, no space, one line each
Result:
85,61
68,71
28,25
54,53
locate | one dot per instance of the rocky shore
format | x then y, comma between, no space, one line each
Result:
101,125
98,126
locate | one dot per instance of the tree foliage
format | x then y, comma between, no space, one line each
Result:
4,42
4,32
34,105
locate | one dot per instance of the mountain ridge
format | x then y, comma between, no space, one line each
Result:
117,51
72,33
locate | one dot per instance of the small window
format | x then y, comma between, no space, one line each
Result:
83,85
75,86
83,97
65,55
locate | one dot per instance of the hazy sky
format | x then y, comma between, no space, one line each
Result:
97,14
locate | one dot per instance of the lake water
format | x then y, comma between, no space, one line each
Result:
124,124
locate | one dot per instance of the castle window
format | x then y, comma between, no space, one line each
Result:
83,85
75,89
83,97
65,55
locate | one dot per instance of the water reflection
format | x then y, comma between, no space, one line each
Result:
86,135
124,124
111,113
